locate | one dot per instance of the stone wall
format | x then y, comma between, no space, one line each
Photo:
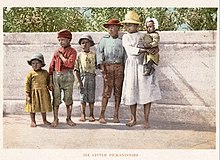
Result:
187,70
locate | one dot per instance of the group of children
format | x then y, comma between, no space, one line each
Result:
66,64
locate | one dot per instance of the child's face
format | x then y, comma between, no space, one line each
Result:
131,28
113,30
85,44
36,64
64,42
150,27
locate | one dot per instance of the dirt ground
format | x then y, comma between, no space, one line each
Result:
17,134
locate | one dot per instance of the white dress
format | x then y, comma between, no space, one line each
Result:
137,89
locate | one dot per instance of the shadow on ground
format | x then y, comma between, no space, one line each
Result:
155,125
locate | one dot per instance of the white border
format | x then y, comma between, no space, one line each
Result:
47,154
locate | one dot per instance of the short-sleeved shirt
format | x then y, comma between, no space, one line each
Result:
110,51
57,64
85,62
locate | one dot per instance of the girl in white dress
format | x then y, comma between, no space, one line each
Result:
137,89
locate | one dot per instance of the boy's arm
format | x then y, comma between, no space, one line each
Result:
51,69
52,65
51,83
100,56
68,62
76,71
48,82
77,75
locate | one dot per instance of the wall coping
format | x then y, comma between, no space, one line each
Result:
166,37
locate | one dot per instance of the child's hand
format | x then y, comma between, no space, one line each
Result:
50,86
141,46
28,99
58,52
79,84
102,68
141,50
153,50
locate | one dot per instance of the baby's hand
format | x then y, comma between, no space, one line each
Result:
153,50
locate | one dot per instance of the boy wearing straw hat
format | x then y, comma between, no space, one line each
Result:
61,75
111,57
137,89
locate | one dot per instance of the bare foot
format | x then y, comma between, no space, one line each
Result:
33,124
116,120
70,122
47,122
146,125
131,123
83,118
55,123
91,119
102,120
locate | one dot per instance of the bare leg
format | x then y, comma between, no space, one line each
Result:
117,105
145,70
146,115
55,114
68,118
44,116
33,121
132,122
102,110
83,112
149,69
91,115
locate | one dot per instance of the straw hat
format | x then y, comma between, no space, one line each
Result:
86,36
39,57
132,17
112,22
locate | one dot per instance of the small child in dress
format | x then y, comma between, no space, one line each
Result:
84,70
150,40
36,87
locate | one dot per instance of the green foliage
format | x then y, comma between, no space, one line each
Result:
198,18
41,19
29,19
168,18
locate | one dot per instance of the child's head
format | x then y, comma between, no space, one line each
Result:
151,24
37,61
131,27
86,42
131,22
64,36
113,27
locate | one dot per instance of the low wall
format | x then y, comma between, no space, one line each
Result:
187,70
